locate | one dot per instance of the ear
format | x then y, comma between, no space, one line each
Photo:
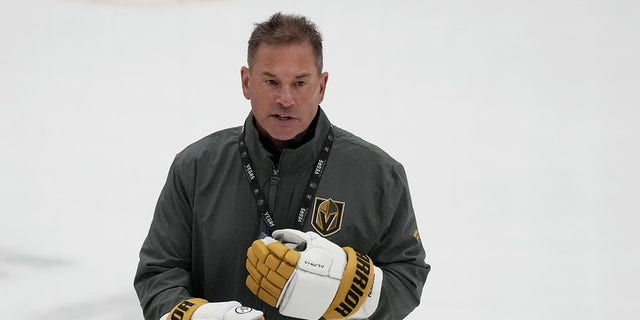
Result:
245,77
324,77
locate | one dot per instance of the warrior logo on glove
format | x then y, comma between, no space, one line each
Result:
186,308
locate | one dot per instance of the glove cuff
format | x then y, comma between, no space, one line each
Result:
185,309
355,286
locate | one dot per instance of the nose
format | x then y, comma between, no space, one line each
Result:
285,96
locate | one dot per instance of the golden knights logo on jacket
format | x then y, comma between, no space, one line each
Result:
327,216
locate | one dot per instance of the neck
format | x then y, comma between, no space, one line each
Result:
281,144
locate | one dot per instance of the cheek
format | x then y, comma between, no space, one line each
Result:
307,95
260,97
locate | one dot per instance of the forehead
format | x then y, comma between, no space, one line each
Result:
297,57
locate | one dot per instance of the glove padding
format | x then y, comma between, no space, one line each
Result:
200,309
307,276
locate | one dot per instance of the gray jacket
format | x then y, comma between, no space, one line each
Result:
206,218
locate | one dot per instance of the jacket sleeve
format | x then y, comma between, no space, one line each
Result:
399,252
163,278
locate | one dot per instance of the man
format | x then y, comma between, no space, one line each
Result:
288,214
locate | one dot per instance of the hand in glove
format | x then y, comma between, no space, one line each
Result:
200,309
307,276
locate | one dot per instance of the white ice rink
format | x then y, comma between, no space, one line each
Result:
517,122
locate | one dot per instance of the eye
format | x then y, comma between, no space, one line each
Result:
271,82
300,83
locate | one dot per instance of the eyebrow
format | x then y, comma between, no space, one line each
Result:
300,76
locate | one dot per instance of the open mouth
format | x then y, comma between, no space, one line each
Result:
281,117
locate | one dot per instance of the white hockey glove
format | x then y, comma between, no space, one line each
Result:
307,276
200,309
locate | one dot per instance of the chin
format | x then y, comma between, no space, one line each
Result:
283,136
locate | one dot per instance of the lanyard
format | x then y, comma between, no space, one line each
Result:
309,193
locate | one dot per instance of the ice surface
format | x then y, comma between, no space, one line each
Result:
516,122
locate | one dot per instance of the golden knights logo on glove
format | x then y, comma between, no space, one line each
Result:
327,216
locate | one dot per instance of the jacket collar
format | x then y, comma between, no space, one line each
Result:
299,158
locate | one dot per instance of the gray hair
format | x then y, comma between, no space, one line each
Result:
283,29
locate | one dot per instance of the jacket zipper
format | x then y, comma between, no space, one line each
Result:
273,188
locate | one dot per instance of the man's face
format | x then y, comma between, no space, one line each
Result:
285,89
